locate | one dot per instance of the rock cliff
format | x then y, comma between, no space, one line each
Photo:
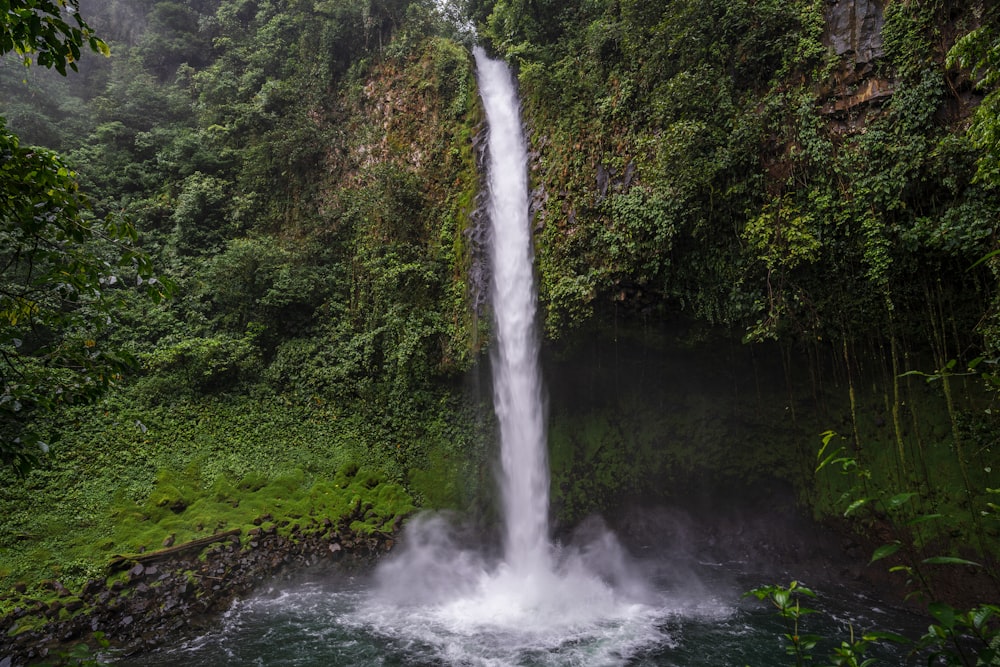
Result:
853,32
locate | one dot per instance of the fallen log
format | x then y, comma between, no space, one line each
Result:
121,561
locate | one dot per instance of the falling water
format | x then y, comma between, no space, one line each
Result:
539,598
538,595
516,377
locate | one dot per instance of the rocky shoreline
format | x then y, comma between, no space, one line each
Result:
162,594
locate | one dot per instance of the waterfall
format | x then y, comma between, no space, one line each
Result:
443,597
578,603
517,386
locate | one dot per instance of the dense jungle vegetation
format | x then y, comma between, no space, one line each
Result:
272,271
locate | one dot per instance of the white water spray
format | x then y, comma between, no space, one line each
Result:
517,386
583,604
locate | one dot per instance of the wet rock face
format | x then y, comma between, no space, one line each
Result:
853,32
854,29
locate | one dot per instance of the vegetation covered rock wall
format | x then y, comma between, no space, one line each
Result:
807,173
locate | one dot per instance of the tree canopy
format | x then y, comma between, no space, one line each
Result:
60,266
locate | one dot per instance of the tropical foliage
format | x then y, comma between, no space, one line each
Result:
59,266
709,175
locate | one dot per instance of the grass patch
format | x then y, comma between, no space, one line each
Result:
123,480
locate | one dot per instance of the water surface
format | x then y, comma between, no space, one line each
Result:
330,620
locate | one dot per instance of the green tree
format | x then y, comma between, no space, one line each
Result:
51,31
59,266
979,51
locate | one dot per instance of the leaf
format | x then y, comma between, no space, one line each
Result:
823,462
983,259
943,614
856,505
900,499
980,615
781,599
833,457
760,592
948,560
923,518
801,590
885,551
876,635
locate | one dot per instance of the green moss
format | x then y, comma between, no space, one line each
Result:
252,481
439,483
27,624
198,469
291,499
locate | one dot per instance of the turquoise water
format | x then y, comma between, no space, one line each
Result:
332,620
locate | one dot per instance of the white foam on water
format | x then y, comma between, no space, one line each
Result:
450,602
563,617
